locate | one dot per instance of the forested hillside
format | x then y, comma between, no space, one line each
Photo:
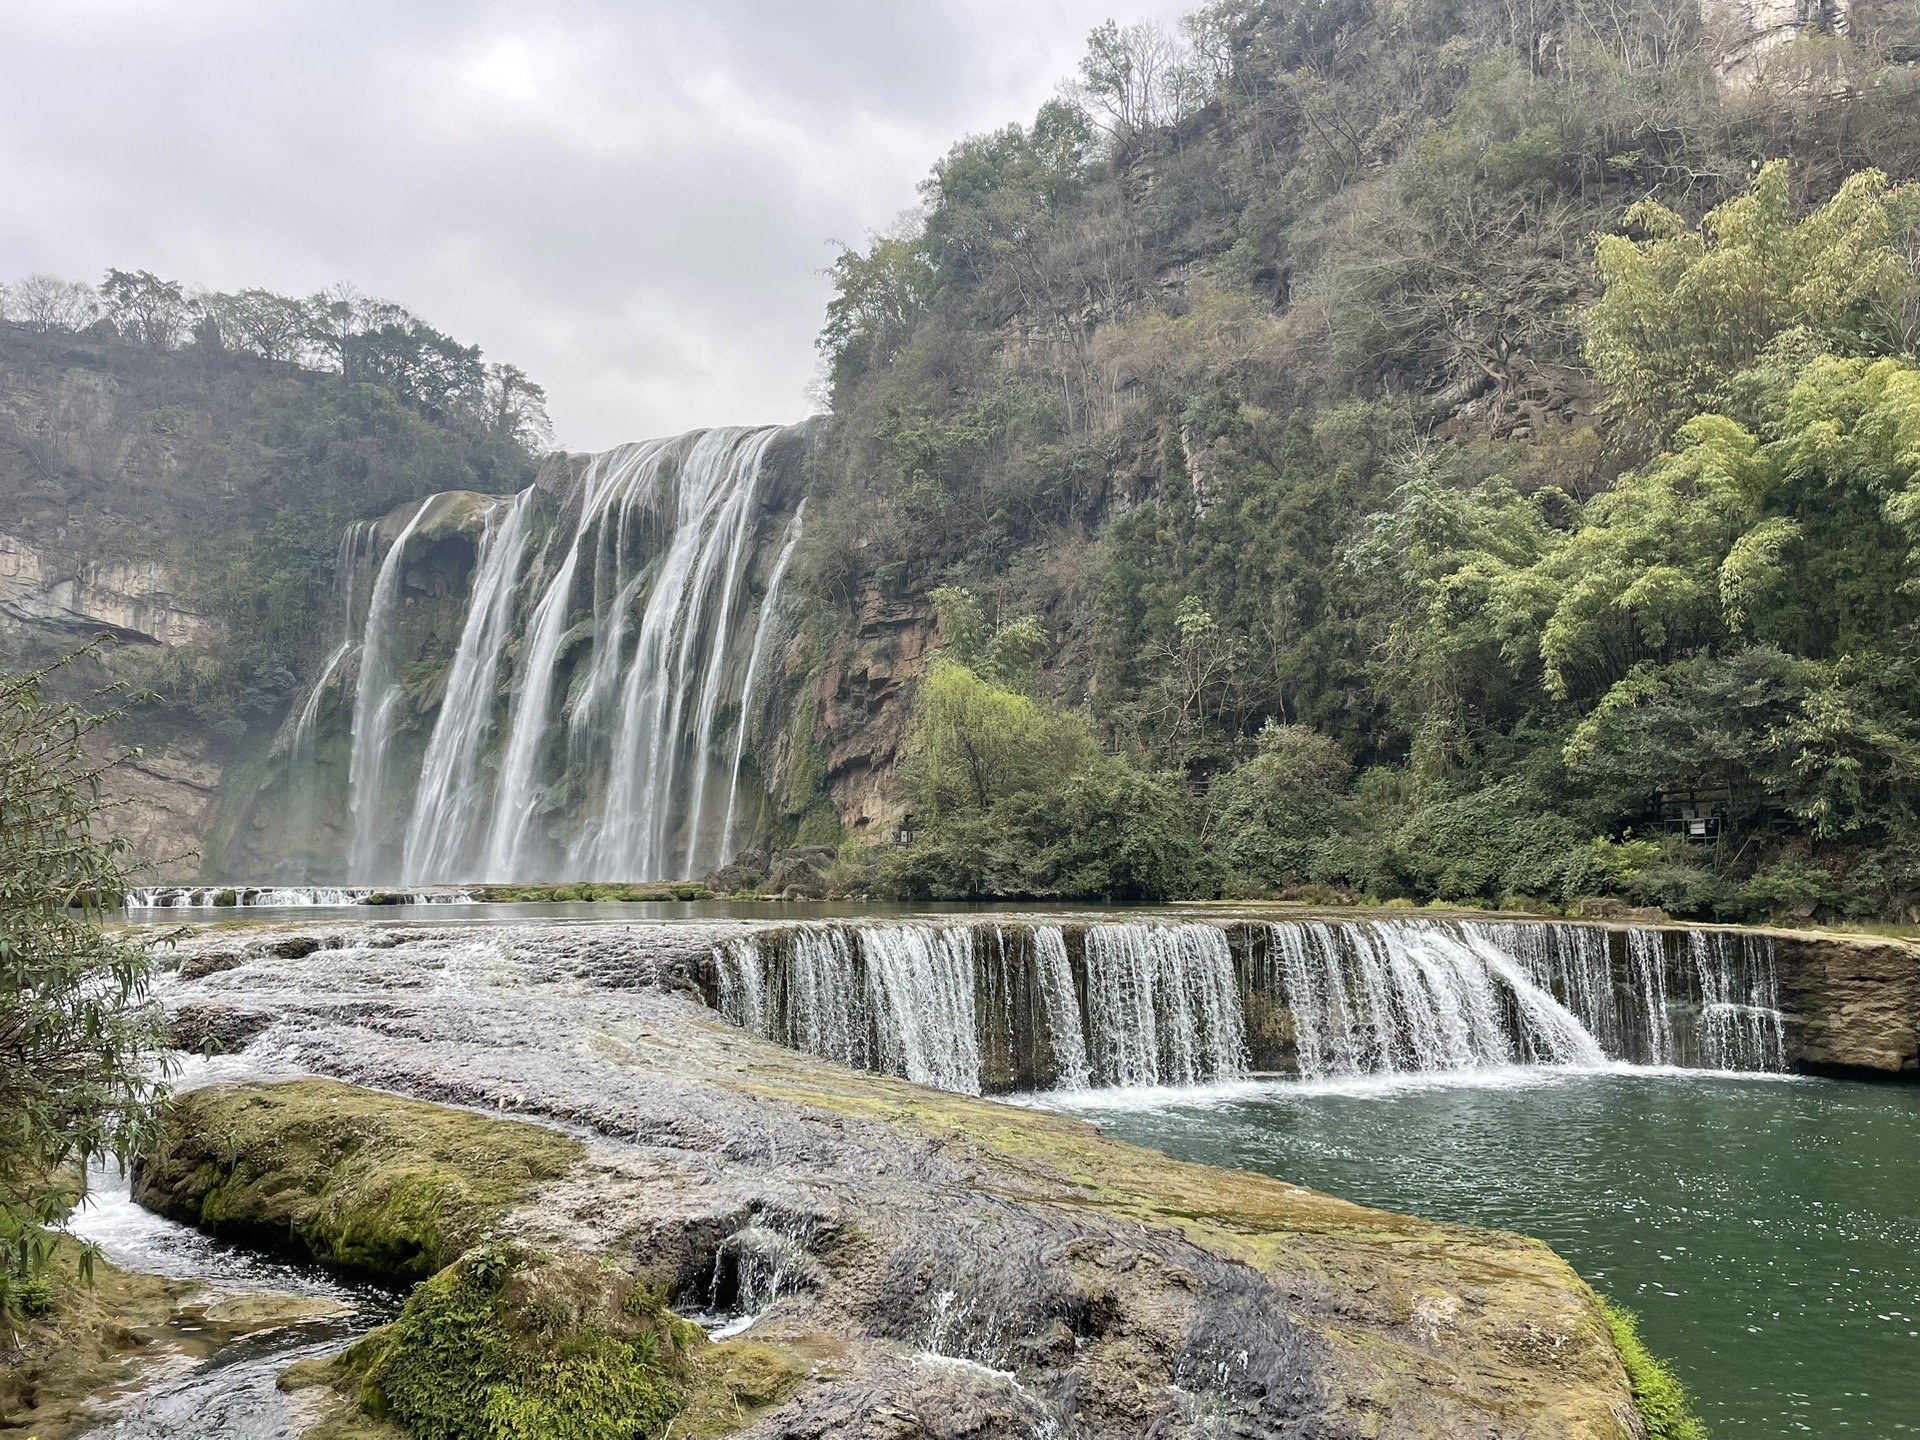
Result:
177,468
1456,451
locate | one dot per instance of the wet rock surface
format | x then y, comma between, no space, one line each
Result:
932,1264
1852,1004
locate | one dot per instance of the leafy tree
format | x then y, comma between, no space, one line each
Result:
1685,308
1267,817
77,1037
145,309
879,297
974,743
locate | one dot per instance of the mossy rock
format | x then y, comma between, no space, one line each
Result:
1658,1395
508,1343
387,1186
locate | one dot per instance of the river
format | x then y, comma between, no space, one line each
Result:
1766,1230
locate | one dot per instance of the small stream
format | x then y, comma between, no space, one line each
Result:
216,1374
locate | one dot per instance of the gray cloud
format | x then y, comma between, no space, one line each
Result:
630,200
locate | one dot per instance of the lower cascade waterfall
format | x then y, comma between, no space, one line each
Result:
1003,1006
209,897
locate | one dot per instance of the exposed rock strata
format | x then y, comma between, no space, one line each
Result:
1852,1003
955,1266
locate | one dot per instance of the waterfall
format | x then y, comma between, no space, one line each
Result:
1162,1005
218,897
921,983
1002,1005
375,701
356,546
665,536
680,654
611,671
1740,1025
1646,959
1065,1033
438,839
747,691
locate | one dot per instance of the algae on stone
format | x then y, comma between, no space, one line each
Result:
1658,1395
507,1343
393,1187
53,1369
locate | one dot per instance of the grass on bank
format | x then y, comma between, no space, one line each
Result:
1657,1392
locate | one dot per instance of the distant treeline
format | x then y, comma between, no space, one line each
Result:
338,330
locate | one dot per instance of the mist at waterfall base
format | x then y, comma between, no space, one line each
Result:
599,716
1768,1232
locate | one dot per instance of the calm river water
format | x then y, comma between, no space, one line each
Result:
1768,1232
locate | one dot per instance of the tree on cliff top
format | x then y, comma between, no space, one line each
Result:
77,1032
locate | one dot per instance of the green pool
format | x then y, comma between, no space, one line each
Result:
1768,1231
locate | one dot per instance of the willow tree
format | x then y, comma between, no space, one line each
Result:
77,1031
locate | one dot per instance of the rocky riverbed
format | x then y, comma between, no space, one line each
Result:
895,1261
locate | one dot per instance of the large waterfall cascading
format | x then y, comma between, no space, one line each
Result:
437,845
597,716
1003,1006
375,701
665,529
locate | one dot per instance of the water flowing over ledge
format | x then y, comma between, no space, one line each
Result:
297,897
1005,1006
574,681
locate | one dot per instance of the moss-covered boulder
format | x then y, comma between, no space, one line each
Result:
390,1187
507,1342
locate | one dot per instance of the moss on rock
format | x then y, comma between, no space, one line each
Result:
508,1343
56,1369
392,1187
1657,1392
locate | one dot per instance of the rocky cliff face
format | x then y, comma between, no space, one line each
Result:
1852,1004
861,699
114,464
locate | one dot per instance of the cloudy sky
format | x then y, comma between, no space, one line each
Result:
632,199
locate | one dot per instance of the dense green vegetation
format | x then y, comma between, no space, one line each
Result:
76,1031
346,407
1435,452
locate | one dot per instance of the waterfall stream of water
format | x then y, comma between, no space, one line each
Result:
375,701
1002,1006
439,842
597,716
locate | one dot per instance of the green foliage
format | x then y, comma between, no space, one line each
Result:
1657,1393
1268,817
1685,308
1013,800
507,1345
77,1035
975,744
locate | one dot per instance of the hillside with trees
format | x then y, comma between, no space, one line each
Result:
177,468
1455,452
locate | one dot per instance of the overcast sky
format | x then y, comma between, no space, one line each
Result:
631,200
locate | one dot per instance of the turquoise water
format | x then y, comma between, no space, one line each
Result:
1768,1232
